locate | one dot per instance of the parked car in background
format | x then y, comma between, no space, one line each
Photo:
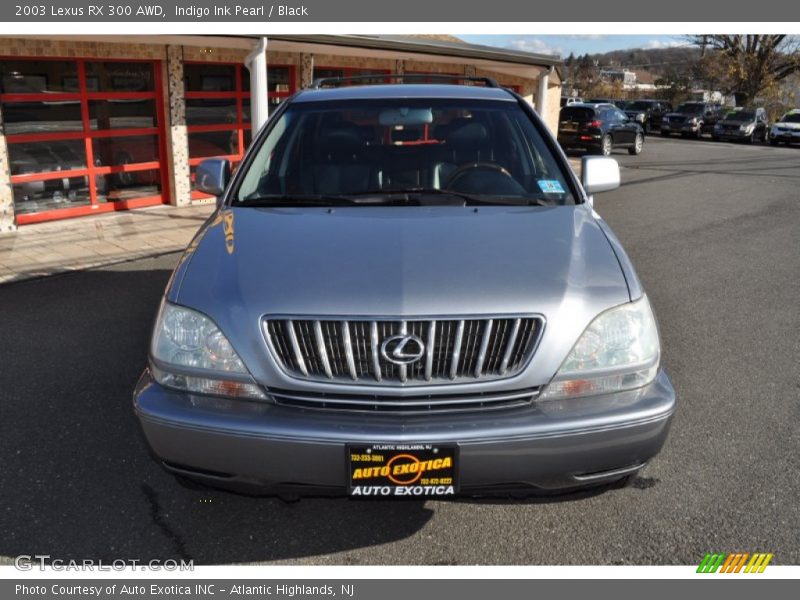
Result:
648,113
598,128
691,119
743,125
567,100
787,129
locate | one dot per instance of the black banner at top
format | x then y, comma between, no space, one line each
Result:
451,11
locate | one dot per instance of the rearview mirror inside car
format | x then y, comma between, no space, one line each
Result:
405,116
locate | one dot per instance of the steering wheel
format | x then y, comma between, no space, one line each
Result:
476,166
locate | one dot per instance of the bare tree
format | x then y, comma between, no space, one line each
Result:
747,66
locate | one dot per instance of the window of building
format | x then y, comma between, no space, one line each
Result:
83,135
426,77
370,75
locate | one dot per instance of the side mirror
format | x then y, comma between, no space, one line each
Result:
212,175
599,174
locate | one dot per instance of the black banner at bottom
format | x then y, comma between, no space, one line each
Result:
389,589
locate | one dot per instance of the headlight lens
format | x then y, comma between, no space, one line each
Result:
620,350
189,341
746,128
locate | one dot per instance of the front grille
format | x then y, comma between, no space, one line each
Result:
419,404
677,120
449,350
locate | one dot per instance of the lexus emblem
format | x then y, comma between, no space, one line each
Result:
402,349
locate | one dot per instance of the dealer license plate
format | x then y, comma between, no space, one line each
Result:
404,470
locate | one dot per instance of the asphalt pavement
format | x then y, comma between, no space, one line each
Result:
713,231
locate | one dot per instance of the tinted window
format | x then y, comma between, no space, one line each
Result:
793,118
576,113
482,148
691,108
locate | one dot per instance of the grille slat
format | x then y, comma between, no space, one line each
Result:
454,350
408,404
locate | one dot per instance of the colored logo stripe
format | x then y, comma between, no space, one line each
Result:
733,563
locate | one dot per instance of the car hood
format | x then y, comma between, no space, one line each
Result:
785,125
399,261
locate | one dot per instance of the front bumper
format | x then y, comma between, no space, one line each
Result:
681,127
792,137
732,135
263,447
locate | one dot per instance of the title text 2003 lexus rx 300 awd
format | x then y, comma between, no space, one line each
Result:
404,291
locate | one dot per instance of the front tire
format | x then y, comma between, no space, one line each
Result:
638,144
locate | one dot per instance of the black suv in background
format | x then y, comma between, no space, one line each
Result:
598,128
744,125
648,113
692,119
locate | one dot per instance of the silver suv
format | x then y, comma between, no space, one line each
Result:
404,291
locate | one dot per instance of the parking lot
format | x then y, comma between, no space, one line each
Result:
713,231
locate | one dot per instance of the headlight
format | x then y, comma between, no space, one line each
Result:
193,355
746,128
718,127
640,117
693,121
664,120
619,351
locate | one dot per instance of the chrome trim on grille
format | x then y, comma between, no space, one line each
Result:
457,350
429,351
376,357
298,354
510,346
348,350
487,331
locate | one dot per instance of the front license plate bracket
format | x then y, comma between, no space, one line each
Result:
402,470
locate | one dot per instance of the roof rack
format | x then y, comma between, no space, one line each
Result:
323,81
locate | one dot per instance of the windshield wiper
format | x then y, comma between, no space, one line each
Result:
288,200
467,199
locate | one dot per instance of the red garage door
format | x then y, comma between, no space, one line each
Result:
84,135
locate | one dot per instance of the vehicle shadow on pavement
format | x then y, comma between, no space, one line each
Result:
77,480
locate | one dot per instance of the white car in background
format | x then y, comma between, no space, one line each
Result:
786,130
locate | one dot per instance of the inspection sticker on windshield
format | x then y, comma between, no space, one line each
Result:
550,186
402,469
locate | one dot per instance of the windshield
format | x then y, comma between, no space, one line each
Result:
403,151
639,105
791,118
690,109
740,115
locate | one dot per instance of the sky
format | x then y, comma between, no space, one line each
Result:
578,44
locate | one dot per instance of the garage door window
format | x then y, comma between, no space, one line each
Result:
83,136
